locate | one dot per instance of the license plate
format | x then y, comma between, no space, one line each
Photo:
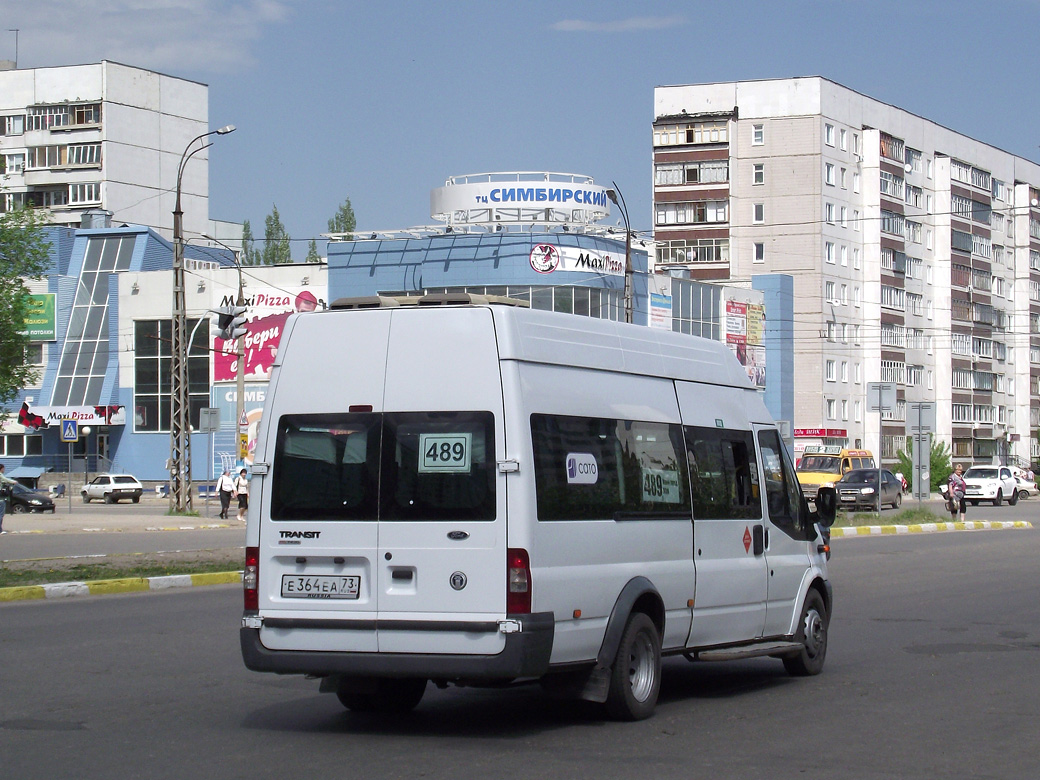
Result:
320,586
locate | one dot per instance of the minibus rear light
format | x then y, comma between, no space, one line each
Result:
518,582
251,579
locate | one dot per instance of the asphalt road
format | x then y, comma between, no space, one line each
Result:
932,672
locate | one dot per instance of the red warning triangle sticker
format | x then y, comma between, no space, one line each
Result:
747,539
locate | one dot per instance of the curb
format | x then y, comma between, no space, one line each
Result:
927,528
59,590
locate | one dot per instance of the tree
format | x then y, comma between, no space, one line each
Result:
312,253
276,249
344,221
939,463
249,256
24,254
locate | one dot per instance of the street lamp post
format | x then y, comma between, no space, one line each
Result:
180,413
241,424
614,194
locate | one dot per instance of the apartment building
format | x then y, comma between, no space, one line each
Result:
914,249
104,136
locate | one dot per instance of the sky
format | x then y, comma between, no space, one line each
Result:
380,102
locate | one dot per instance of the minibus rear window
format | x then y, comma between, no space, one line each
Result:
326,467
394,466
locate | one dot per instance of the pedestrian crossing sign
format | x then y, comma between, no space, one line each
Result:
69,430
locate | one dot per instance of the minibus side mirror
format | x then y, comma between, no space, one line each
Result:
826,506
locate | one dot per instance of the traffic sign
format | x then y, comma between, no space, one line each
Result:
69,430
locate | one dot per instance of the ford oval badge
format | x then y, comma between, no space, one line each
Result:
458,536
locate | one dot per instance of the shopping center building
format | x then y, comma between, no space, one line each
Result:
101,329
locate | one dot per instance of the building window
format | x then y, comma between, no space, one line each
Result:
85,193
828,213
892,223
857,409
843,295
13,163
829,252
828,292
692,213
843,216
701,250
760,252
831,406
13,125
758,135
844,409
759,213
85,154
855,182
828,173
843,178
844,371
857,297
857,373
843,139
708,132
829,371
152,381
855,258
844,255
828,134
704,172
758,173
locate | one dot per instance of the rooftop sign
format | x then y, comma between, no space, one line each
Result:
520,197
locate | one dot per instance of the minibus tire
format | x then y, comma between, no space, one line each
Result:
392,696
635,678
812,636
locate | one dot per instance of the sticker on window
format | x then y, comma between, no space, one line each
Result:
582,468
661,486
445,453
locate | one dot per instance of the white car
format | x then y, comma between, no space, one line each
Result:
111,488
1026,487
990,483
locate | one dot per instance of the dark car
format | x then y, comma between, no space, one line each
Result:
858,488
22,499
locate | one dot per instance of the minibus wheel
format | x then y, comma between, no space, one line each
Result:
812,635
391,695
635,679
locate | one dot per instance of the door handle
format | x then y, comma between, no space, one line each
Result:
758,539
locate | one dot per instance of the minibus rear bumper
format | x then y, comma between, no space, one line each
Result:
526,654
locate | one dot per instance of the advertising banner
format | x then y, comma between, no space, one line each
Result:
268,309
40,323
744,335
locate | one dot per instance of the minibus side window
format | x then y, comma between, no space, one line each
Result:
783,493
723,474
589,468
326,467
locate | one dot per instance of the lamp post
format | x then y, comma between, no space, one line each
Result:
180,413
614,194
241,424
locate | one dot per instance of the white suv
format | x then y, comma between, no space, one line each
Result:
111,488
990,483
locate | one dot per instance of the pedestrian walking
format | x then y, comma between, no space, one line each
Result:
5,490
956,487
225,488
242,494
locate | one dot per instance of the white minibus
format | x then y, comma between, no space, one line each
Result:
464,492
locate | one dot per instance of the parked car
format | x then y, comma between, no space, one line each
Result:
1025,487
990,483
858,488
22,499
112,488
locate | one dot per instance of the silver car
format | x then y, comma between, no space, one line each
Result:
111,488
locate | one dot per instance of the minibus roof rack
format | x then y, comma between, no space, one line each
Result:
432,299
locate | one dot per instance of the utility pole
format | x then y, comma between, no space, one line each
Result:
180,407
614,194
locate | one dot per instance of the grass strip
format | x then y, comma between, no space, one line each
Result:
91,572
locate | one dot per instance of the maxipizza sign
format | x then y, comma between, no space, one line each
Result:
548,258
